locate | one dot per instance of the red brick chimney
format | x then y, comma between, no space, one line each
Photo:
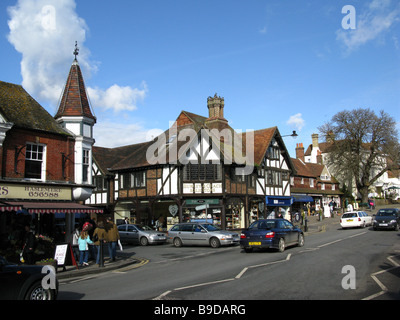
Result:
300,151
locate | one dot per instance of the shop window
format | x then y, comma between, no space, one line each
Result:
35,161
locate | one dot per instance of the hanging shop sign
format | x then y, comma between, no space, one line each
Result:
34,192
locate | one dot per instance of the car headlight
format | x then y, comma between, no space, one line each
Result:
393,221
374,221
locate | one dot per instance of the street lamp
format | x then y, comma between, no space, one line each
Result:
293,135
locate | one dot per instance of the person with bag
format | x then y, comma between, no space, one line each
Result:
83,243
99,237
112,238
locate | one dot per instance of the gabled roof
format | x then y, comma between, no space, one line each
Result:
134,156
74,101
19,108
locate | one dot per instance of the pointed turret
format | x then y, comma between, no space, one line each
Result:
74,114
74,101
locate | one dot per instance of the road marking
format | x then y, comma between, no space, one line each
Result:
238,276
380,284
329,243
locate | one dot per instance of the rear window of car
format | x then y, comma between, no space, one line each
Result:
350,215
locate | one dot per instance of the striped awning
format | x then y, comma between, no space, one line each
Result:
9,208
53,207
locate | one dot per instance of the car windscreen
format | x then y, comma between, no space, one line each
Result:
143,228
386,213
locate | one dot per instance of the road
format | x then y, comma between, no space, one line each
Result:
367,261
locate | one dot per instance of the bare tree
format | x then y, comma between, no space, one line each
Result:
362,146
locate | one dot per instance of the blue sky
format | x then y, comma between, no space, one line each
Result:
282,63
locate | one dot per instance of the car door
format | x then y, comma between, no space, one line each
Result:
291,234
123,233
200,235
133,234
186,233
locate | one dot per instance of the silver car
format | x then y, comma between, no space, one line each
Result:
143,235
205,234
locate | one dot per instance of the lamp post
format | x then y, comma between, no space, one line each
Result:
293,135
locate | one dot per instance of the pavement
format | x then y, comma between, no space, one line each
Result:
126,260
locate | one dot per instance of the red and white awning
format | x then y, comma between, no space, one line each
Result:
50,207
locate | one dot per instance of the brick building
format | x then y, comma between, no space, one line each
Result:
45,162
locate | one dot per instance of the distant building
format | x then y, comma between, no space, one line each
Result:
313,184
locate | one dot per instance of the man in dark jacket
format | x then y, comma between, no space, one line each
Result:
29,245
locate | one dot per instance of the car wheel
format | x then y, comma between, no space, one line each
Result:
215,243
281,245
177,242
144,241
37,292
301,240
396,228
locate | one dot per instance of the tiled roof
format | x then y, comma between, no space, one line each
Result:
74,101
19,108
134,156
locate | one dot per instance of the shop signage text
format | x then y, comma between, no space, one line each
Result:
31,192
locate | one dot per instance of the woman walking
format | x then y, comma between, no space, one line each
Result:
83,243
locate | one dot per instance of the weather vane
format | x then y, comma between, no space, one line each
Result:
76,51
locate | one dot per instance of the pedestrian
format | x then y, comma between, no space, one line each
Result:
75,245
29,245
99,238
83,243
126,220
112,238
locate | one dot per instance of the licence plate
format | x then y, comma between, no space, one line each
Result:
349,220
254,243
383,224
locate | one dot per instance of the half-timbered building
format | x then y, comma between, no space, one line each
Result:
199,169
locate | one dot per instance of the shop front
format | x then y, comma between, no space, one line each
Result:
207,210
278,206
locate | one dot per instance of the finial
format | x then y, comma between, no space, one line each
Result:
76,51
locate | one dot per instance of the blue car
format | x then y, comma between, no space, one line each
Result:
271,233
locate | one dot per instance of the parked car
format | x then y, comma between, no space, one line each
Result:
143,235
206,234
387,219
24,282
271,233
355,219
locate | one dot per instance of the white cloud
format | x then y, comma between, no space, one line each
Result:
44,32
376,19
296,121
117,98
110,134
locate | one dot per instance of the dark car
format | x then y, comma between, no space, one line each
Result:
271,233
24,282
387,219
